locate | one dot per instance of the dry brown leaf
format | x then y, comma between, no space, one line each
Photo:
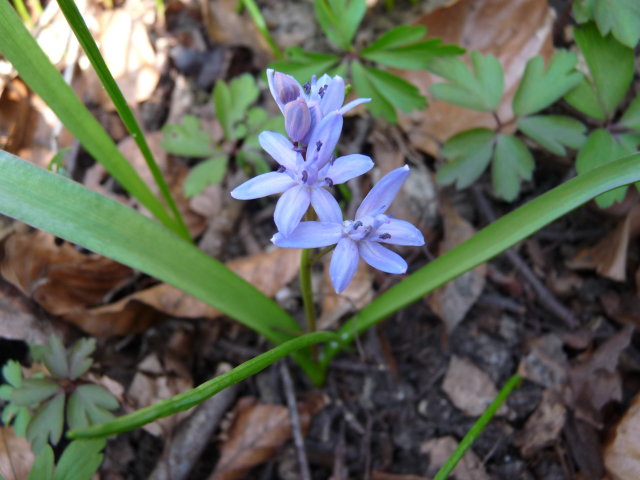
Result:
544,425
609,256
60,278
512,30
622,451
545,362
257,432
16,457
452,302
126,48
440,449
469,388
376,475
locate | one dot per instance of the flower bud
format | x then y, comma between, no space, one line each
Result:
297,119
286,87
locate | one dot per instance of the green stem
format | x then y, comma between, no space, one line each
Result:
258,19
191,398
477,429
21,8
79,27
307,290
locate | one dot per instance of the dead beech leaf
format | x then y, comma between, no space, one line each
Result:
469,388
440,449
452,302
544,425
60,278
622,451
258,430
609,256
512,30
16,457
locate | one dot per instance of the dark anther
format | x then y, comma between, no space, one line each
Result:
318,145
385,236
305,176
368,229
329,181
357,225
307,88
322,90
282,169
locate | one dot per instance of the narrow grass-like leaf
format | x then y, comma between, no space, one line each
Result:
24,53
190,398
75,213
489,242
79,27
261,25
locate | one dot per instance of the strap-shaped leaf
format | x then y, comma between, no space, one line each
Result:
24,53
554,132
540,87
480,89
512,163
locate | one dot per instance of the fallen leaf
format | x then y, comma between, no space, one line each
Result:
545,362
452,302
622,450
258,430
16,457
469,388
60,278
544,425
608,257
512,30
376,475
440,449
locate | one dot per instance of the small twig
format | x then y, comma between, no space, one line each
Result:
298,441
546,298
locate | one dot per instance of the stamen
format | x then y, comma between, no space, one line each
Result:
322,90
329,181
357,225
318,145
305,176
307,88
282,169
385,236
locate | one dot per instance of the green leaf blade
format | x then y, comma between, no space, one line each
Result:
621,17
512,163
554,132
470,153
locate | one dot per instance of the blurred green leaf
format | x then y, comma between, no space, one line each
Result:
80,460
398,92
208,172
224,107
12,373
340,19
244,92
88,405
303,64
46,424
187,139
80,357
43,465
539,88
583,10
469,154
631,116
621,17
480,90
600,148
33,391
232,101
380,106
20,416
253,158
611,68
512,163
55,357
404,47
553,132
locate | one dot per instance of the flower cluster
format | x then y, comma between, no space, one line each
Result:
313,121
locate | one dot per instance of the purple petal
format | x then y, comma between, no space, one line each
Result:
297,119
383,192
310,235
290,208
263,185
323,139
399,232
352,104
326,206
284,88
348,167
382,258
280,148
344,263
333,95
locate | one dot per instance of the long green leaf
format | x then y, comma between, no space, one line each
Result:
75,213
79,27
24,53
191,398
489,242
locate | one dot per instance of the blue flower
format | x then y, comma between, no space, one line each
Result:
303,178
304,106
360,237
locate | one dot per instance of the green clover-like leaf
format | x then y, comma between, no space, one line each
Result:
553,132
512,163
469,153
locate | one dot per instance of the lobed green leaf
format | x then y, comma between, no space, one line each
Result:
46,424
631,116
469,154
187,139
621,18
512,163
397,91
553,132
208,172
12,373
55,357
43,465
80,460
303,64
380,106
340,19
80,357
33,391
